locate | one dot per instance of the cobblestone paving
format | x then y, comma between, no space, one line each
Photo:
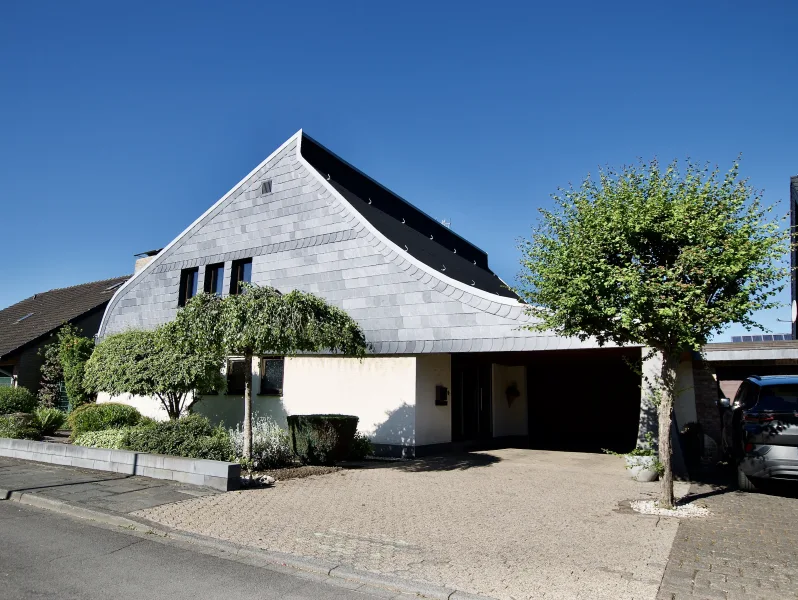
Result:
747,549
508,524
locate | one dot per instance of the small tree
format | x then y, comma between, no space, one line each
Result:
652,257
52,375
73,352
262,321
174,363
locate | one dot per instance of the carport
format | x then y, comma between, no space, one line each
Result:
574,400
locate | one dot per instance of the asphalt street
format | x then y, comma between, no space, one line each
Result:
44,554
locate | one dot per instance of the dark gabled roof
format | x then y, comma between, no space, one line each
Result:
27,321
417,233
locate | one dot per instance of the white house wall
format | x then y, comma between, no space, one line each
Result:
381,391
433,423
305,235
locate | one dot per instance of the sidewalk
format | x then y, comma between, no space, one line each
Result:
97,490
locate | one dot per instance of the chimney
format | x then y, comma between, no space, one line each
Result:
145,258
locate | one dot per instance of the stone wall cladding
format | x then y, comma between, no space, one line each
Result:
706,399
304,236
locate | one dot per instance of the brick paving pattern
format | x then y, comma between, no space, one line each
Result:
507,524
748,549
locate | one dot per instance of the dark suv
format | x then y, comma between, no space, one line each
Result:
760,429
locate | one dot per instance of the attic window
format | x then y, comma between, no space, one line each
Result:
266,187
23,318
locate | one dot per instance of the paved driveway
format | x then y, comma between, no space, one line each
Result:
507,523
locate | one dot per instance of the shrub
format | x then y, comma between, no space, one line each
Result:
192,436
271,444
73,351
20,426
16,400
96,417
50,419
361,447
108,438
52,374
322,439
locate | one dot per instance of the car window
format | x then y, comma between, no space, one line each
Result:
778,398
742,393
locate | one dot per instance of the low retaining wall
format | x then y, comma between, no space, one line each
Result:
216,474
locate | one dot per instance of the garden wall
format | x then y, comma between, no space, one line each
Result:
211,473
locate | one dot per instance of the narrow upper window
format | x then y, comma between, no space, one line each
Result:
271,376
266,187
214,276
188,285
241,273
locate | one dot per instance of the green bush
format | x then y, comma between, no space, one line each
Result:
361,447
50,419
271,444
16,400
97,417
322,439
108,438
20,426
192,436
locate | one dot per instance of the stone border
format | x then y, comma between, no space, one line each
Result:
215,474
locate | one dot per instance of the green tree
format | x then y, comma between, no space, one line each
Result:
654,257
73,352
262,321
52,375
168,363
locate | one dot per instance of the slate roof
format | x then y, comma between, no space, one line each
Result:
28,320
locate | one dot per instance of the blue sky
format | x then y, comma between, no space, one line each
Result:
121,123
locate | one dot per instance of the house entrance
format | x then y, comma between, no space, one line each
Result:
471,400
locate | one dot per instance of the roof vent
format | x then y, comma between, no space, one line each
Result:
23,318
266,187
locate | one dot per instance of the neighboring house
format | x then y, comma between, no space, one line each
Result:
30,324
451,361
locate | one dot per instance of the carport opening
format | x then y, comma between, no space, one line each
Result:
584,401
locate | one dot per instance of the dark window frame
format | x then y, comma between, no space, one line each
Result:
267,387
214,274
237,274
187,275
233,390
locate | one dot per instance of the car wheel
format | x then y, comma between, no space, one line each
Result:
743,481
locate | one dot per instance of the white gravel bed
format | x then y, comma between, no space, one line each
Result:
649,507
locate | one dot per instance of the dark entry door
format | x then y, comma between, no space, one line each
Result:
471,406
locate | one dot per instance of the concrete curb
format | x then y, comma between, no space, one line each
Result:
318,567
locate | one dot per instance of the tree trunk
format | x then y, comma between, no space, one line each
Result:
248,406
667,389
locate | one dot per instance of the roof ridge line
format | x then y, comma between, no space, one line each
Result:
68,287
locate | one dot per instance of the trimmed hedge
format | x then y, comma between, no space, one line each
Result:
97,417
192,436
20,426
113,439
16,400
322,439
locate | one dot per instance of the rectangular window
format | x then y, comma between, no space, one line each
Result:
188,285
271,376
235,376
214,277
241,273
